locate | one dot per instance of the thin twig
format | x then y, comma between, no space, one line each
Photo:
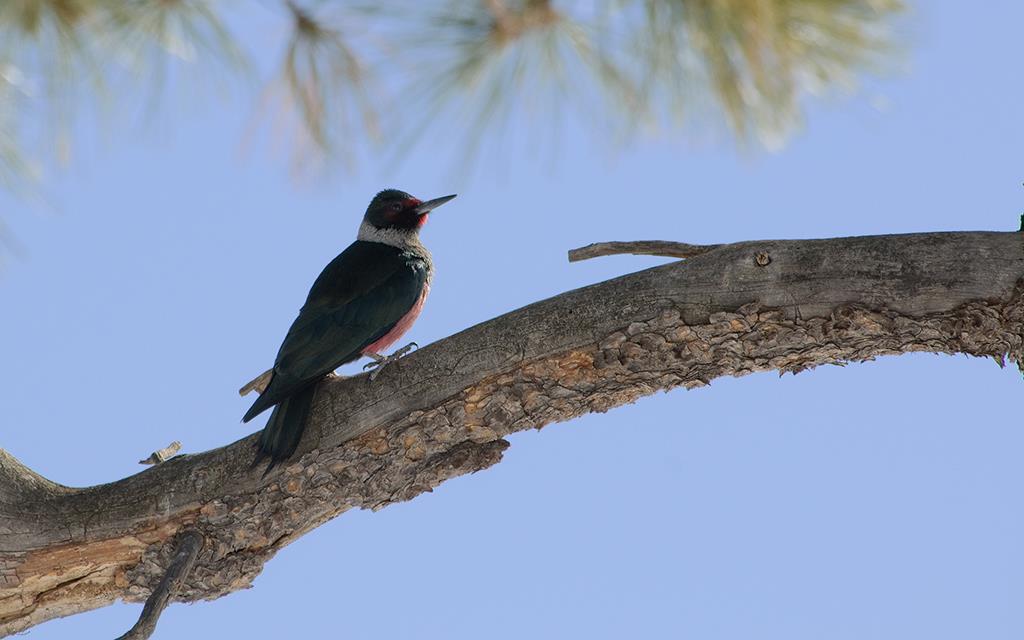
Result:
641,247
190,544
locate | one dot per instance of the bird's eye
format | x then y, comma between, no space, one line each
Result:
396,207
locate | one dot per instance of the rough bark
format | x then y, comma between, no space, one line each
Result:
443,411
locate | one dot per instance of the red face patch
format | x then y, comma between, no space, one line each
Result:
402,214
412,203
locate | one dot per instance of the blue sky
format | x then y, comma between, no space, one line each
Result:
879,500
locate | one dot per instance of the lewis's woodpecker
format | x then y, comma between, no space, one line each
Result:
359,305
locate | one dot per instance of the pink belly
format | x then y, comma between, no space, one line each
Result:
391,337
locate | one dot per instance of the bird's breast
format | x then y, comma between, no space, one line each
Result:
403,325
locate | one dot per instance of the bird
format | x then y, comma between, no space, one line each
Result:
363,302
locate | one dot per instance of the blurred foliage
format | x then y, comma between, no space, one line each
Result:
758,56
345,66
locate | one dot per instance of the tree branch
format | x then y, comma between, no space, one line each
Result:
444,410
641,247
189,544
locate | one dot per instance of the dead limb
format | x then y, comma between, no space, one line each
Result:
446,409
641,247
189,544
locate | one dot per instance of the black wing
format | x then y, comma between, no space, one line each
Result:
356,300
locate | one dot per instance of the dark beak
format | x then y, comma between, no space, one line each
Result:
430,205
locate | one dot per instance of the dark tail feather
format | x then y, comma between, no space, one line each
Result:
281,436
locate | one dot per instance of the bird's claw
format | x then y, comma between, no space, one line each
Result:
379,361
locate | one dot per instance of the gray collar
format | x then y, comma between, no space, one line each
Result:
401,238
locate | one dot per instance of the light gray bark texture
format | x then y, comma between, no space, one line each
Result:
444,410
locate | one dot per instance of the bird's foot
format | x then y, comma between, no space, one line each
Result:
379,361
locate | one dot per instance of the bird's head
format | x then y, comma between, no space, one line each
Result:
396,211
